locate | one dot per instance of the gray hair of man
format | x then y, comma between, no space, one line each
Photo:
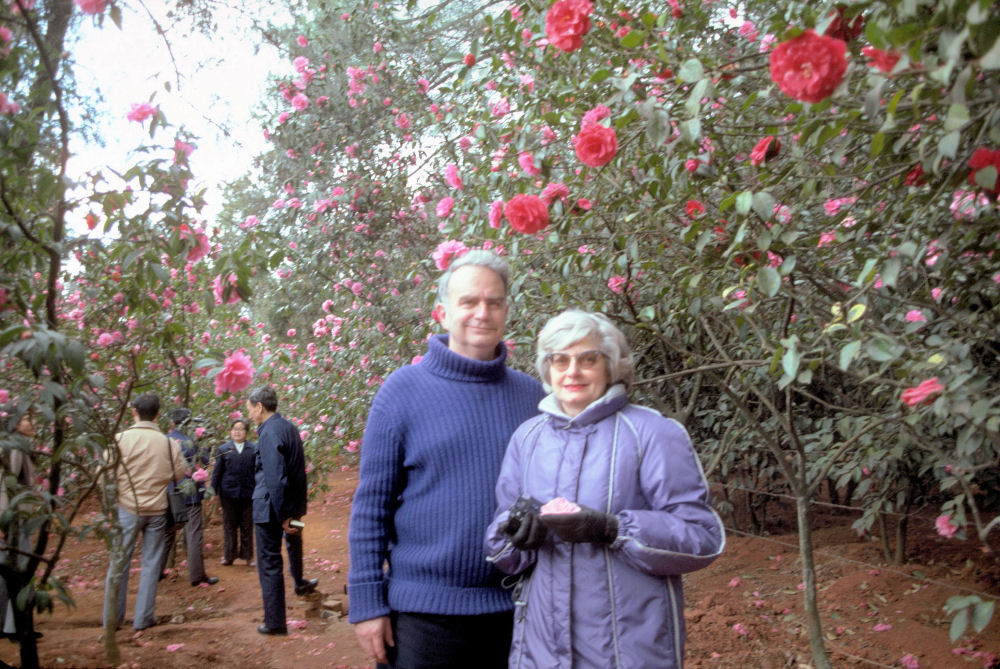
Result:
265,396
477,258
569,327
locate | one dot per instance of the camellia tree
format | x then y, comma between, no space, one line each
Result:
791,209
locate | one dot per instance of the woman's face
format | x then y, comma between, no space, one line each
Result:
578,375
238,432
25,427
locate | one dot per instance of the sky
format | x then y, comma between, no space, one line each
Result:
222,80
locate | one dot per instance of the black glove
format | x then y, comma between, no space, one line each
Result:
586,525
523,526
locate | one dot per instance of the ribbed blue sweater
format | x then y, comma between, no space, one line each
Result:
430,457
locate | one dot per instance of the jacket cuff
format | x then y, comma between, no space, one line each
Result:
366,601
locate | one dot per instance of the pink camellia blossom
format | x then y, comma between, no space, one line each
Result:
105,339
174,647
4,396
140,111
692,165
496,213
444,207
302,41
291,332
199,432
596,145
825,239
218,289
559,505
740,629
501,108
199,474
809,67
944,526
566,22
616,284
236,374
424,85
91,6
981,159
595,115
881,627
915,316
527,213
909,662
300,101
555,191
765,149
527,163
924,393
201,247
451,176
447,251
402,121
883,60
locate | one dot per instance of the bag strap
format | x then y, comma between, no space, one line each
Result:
170,456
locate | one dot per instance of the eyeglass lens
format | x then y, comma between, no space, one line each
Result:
584,360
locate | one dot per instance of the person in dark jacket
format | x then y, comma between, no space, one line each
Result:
279,500
233,482
627,511
194,529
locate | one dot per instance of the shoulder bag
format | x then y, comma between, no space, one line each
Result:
177,511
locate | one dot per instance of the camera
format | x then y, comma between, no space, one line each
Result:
523,507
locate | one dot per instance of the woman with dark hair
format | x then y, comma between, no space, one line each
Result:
233,481
626,512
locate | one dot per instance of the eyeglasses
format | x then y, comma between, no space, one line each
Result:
584,360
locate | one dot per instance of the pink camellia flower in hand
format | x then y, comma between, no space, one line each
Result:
923,393
983,158
559,505
596,145
809,67
447,251
199,475
140,111
765,149
944,526
566,22
236,374
527,213
91,6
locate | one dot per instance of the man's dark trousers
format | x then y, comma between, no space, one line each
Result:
272,581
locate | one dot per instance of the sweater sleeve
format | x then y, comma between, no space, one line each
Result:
372,514
679,532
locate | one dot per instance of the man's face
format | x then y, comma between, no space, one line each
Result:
476,314
254,411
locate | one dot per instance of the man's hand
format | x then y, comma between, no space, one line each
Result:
288,528
373,636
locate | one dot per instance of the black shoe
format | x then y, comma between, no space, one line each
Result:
306,586
211,580
277,631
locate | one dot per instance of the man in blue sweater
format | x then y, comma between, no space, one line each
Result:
421,591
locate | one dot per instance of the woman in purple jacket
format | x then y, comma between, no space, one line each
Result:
600,585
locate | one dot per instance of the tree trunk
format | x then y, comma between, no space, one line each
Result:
117,567
820,658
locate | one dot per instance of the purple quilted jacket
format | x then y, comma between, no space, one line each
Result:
619,605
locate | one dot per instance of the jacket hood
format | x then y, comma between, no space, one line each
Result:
613,399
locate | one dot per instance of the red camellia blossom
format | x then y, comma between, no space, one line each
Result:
883,60
567,22
596,145
469,60
843,28
765,149
915,177
923,393
809,67
694,208
982,158
236,374
91,6
527,213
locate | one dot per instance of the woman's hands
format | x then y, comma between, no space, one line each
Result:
523,525
585,525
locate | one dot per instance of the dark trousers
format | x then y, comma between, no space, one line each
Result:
430,641
269,568
237,519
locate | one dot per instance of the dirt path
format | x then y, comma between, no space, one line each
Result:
744,611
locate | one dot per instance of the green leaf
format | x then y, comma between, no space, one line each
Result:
791,359
991,59
847,354
958,625
987,177
856,312
878,144
647,314
763,205
890,272
958,117
633,39
948,146
744,201
693,104
768,281
982,614
599,76
691,71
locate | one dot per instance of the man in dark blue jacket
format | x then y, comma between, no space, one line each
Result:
279,500
194,529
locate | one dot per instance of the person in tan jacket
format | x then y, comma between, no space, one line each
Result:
147,462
